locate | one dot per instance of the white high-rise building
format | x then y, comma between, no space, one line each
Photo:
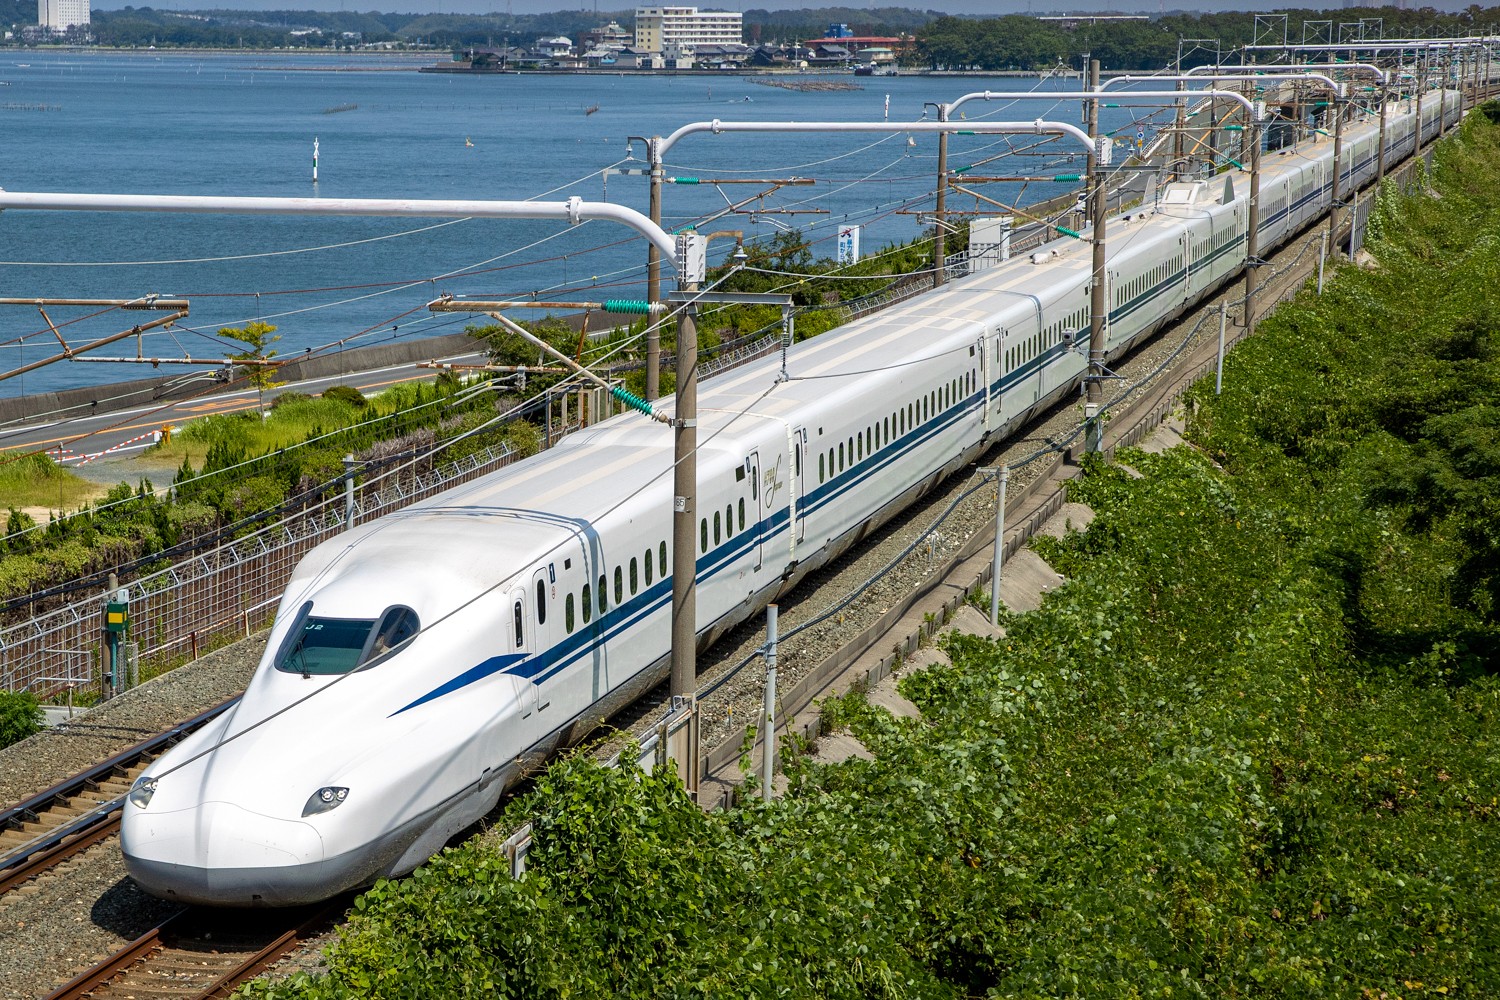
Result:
662,29
60,15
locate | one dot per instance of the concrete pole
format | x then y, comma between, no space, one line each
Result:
653,277
1219,368
768,749
1380,162
349,465
1094,399
1178,138
1420,84
1336,214
997,563
940,241
1252,224
1322,257
685,510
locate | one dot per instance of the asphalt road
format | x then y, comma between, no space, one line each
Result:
126,432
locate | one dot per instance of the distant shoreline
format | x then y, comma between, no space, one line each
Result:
459,68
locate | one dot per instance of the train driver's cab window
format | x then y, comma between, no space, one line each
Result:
329,646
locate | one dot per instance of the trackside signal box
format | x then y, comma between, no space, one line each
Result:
116,616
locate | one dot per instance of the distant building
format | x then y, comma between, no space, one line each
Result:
60,15
678,29
609,36
837,50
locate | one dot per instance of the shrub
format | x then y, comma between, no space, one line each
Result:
347,394
20,716
290,396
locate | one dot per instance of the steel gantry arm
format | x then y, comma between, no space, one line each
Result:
572,211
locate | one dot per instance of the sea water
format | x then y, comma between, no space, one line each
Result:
245,124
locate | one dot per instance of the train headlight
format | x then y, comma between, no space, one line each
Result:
325,799
142,790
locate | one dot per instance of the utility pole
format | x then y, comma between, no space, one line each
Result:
685,503
1252,218
940,240
1336,214
1094,400
653,275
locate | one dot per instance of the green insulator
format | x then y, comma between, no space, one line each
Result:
638,307
631,400
1068,232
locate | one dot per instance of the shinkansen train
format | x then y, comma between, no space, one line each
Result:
420,661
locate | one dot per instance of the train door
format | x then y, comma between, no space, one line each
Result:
522,643
799,482
1186,239
984,386
544,609
752,471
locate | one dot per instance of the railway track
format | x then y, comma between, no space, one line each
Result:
54,825
202,953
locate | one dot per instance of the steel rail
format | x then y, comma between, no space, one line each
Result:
63,841
158,943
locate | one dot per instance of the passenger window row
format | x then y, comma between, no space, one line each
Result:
594,599
1140,285
1054,334
882,432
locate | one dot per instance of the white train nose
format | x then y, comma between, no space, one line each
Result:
224,855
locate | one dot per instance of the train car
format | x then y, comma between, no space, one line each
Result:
420,662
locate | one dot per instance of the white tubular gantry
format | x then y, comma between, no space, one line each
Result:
572,211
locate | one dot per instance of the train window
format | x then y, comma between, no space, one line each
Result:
541,602
742,513
588,603
646,565
519,615
398,625
703,535
634,577
603,594
887,430
619,586
568,612
859,446
716,528
728,520
325,645
797,461
821,475
841,456
661,559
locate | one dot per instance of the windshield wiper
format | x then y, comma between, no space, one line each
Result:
302,656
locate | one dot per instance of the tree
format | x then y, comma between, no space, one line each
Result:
256,337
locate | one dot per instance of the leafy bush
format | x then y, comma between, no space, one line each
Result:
20,717
346,394
287,397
